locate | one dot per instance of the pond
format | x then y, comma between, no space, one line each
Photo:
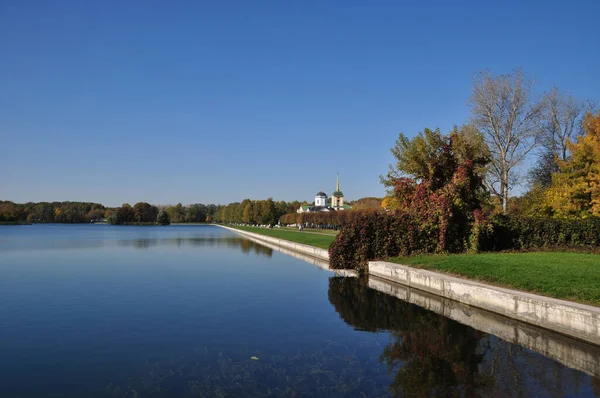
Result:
200,311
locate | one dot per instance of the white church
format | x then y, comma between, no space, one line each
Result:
322,203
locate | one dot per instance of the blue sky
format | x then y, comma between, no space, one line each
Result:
217,101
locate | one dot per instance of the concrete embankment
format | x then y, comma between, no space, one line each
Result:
321,254
297,250
573,319
573,353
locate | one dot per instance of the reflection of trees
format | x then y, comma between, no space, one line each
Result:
435,360
247,246
433,355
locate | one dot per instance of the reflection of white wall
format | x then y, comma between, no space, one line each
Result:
320,201
570,352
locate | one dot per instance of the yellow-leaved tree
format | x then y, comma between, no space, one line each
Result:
390,203
575,190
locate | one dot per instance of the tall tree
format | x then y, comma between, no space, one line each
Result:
562,121
433,157
504,110
195,213
248,213
267,212
420,158
163,218
145,212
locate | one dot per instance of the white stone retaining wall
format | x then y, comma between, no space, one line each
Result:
321,254
573,319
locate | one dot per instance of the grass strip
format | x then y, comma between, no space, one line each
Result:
568,276
307,238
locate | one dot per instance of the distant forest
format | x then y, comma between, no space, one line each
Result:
85,212
249,211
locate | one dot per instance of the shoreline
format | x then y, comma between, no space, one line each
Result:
313,251
569,318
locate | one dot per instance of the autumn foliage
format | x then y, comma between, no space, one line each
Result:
575,189
434,212
438,208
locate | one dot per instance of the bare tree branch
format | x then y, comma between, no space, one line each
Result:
503,109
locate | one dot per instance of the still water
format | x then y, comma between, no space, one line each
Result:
198,311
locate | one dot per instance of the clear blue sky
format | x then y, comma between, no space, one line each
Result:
217,101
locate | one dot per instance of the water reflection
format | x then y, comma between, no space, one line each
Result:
304,257
246,245
61,238
433,355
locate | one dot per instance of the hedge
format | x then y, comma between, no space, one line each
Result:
323,219
513,233
378,236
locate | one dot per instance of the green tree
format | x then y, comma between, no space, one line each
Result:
241,209
196,213
176,213
420,158
433,157
268,212
293,207
144,212
163,218
281,208
248,212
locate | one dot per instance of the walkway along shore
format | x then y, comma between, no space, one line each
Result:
565,317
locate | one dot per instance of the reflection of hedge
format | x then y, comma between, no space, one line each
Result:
364,308
323,218
430,354
378,236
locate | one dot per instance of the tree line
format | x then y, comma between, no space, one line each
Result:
256,212
248,211
141,213
85,212
51,212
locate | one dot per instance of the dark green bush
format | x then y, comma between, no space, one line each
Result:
378,236
512,233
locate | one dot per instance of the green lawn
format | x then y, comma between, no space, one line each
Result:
307,238
319,231
569,276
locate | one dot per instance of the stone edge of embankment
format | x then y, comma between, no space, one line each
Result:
573,319
299,247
